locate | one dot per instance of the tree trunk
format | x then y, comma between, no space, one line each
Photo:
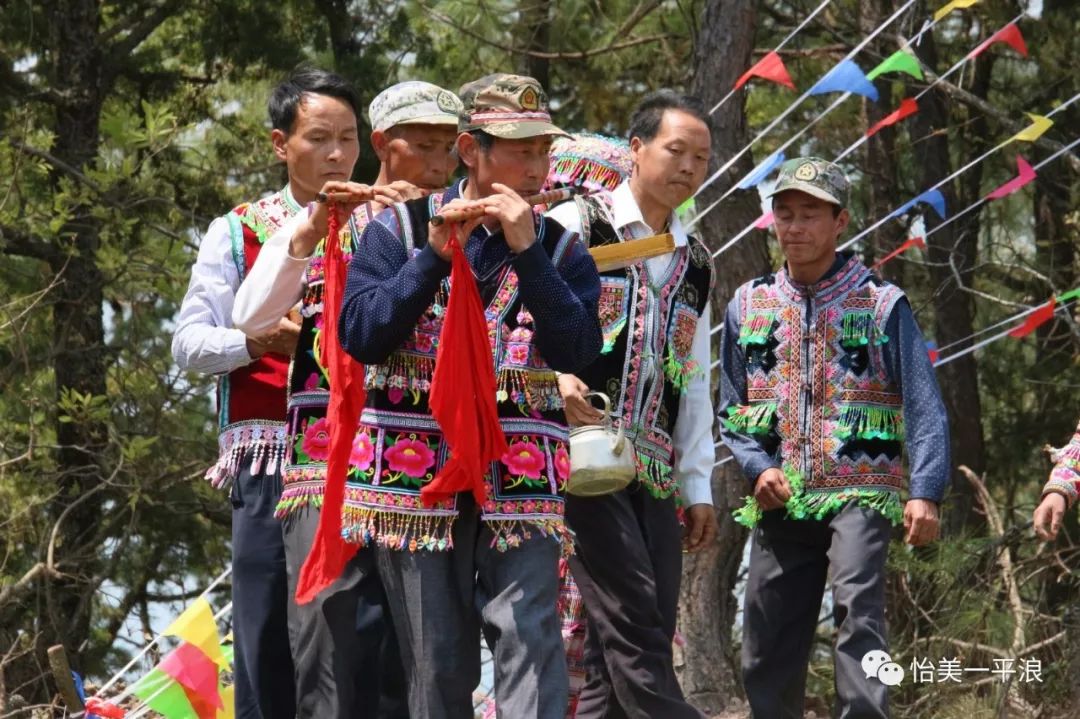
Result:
954,308
708,663
79,357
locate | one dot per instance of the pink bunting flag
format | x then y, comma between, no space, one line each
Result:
1027,174
1010,35
770,68
764,221
908,106
904,247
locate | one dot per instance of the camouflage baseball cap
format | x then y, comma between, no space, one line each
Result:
814,176
413,103
508,106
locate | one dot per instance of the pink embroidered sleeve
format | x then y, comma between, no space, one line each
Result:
1065,477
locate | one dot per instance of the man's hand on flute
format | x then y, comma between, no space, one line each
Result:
513,213
344,198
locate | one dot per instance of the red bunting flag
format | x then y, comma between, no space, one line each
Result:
908,106
329,552
904,247
770,68
194,671
934,353
1036,319
1010,35
1027,174
463,391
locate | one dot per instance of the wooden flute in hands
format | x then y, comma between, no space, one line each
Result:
471,213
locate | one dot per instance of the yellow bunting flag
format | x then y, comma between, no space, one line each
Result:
229,702
1034,131
954,5
197,626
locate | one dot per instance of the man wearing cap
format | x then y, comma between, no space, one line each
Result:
344,647
825,379
456,566
654,315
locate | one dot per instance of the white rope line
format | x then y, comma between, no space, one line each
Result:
778,48
153,642
791,108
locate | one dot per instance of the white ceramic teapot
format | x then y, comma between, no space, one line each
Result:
601,458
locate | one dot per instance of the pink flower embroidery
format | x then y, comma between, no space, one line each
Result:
395,394
562,463
312,382
422,342
518,354
317,440
411,456
363,452
524,458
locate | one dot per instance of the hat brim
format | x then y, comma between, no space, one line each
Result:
520,130
806,187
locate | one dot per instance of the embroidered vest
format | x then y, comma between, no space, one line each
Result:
648,327
819,393
307,439
251,399
399,447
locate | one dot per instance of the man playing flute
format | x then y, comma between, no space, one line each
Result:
344,647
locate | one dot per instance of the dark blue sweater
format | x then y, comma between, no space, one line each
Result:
387,291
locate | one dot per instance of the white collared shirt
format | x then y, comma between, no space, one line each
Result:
205,340
692,436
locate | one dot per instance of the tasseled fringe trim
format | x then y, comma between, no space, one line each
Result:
680,373
535,389
820,504
612,334
860,330
1071,451
757,329
755,418
575,170
298,497
434,533
401,371
870,422
266,444
657,477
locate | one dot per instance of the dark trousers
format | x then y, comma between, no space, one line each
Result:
442,601
264,668
346,654
789,560
628,566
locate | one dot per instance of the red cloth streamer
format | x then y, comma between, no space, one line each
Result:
771,68
102,708
462,396
1010,35
1027,174
908,106
329,552
904,247
1033,321
194,671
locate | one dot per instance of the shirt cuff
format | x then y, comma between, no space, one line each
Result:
695,490
756,466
